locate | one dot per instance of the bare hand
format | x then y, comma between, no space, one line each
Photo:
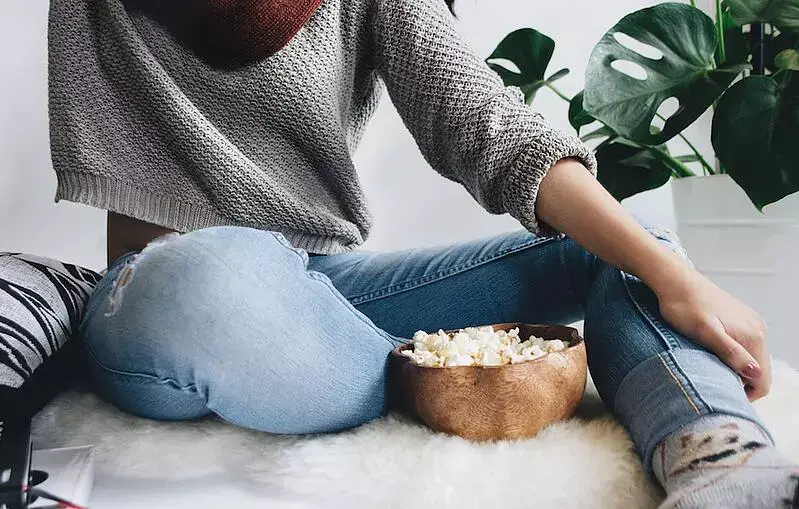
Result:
702,311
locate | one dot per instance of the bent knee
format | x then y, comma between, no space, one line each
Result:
167,291
193,293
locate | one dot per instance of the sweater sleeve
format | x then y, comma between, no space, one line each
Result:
469,127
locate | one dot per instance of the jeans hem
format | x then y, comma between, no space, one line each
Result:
653,402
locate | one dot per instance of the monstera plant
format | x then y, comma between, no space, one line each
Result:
658,69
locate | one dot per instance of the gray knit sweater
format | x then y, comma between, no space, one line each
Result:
141,126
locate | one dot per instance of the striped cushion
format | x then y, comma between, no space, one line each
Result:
41,304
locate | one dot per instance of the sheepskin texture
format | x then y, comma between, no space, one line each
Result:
392,462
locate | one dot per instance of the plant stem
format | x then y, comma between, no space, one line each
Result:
607,141
705,166
709,169
678,169
693,4
736,69
558,92
720,33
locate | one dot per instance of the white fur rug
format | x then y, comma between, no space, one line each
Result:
392,462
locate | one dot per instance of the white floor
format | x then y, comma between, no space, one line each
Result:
392,462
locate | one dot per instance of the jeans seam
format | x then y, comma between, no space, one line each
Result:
679,384
147,376
347,304
317,276
412,284
686,382
663,332
692,395
321,278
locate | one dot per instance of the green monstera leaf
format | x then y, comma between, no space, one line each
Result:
578,117
602,132
782,13
679,63
530,51
626,170
756,137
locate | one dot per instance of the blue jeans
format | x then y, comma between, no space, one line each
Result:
237,322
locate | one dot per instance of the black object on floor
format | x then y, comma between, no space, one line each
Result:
15,464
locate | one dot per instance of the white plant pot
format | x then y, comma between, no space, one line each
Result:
749,254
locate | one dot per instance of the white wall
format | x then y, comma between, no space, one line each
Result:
393,172
29,220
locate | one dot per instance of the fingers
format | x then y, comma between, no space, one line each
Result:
755,392
729,350
754,340
752,337
756,389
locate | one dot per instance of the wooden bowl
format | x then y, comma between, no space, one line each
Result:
497,402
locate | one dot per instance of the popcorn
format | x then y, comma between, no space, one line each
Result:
478,346
459,360
424,358
554,346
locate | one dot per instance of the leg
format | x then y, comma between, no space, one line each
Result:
687,412
228,320
663,387
473,283
654,379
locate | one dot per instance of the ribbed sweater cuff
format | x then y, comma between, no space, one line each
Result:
520,189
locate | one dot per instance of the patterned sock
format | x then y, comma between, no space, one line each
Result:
721,461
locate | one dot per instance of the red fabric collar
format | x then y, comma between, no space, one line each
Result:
230,33
261,27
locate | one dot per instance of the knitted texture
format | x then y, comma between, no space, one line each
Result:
144,124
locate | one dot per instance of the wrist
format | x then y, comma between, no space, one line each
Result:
668,274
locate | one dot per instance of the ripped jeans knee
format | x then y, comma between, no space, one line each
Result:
127,272
668,238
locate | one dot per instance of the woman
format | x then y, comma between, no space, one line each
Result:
234,123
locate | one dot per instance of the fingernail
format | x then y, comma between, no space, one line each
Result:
751,370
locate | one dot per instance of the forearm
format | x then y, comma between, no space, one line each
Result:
572,201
